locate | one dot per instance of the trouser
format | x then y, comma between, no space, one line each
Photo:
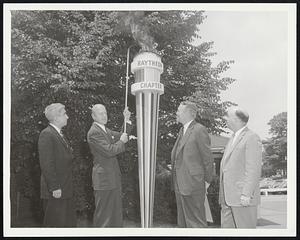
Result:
59,212
238,217
108,211
191,210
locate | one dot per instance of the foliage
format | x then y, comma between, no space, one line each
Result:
275,156
78,58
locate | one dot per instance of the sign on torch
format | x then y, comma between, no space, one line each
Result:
147,68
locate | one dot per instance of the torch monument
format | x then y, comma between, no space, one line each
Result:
147,67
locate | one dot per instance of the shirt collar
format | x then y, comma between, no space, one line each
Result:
238,132
56,128
101,125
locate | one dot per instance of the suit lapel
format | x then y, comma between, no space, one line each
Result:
98,128
185,137
174,150
59,137
110,136
227,149
231,148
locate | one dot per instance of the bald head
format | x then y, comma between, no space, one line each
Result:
98,107
236,118
99,114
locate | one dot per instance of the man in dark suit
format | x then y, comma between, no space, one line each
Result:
240,173
192,166
55,155
105,145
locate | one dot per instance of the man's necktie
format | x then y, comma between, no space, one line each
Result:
65,140
230,144
232,137
180,135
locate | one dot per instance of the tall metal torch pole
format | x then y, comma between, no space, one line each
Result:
127,78
147,67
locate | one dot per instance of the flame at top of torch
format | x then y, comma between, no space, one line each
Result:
140,31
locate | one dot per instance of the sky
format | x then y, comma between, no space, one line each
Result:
257,42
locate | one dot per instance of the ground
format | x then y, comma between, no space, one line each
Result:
272,213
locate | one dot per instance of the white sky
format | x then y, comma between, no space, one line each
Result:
257,42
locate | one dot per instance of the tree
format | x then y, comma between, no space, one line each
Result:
78,58
275,158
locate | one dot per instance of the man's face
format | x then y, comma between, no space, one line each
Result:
180,114
62,118
100,115
230,119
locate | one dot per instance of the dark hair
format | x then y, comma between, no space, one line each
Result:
242,115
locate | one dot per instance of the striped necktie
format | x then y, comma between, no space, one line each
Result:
65,140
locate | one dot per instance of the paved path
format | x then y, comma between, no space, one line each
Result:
272,212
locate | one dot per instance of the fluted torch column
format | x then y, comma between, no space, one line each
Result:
147,67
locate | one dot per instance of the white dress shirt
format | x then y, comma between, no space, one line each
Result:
101,125
56,128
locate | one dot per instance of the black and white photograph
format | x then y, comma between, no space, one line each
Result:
149,119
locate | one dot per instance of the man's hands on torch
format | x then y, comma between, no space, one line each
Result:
56,193
124,138
126,114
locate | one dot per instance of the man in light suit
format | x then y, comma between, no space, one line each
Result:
192,166
55,155
240,173
105,145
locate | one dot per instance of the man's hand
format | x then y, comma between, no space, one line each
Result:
245,201
126,114
206,186
132,137
124,138
56,193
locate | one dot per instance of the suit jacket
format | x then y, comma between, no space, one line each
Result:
105,146
240,169
192,160
55,157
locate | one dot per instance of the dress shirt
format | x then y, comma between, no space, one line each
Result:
56,128
101,125
236,134
185,126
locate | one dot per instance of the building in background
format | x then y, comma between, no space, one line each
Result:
218,144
